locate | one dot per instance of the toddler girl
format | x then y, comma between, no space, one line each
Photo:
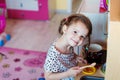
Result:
61,61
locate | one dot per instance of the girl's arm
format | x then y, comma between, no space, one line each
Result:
57,76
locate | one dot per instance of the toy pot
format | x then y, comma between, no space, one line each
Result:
94,53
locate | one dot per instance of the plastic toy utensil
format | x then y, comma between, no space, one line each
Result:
91,65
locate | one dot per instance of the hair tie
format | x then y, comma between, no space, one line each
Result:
66,19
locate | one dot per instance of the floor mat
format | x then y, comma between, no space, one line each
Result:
17,64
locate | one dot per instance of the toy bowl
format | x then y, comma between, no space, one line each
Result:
89,71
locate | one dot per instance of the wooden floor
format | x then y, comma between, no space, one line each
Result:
35,35
32,34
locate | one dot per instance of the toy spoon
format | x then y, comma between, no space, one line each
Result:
91,65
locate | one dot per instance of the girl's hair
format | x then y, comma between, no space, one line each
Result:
74,18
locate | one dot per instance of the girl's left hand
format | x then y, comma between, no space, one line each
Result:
81,60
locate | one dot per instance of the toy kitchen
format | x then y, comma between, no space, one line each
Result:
97,12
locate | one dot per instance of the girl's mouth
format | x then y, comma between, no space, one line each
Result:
74,41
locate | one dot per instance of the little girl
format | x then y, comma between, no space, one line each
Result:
61,61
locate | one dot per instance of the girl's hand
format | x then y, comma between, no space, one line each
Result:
81,60
74,71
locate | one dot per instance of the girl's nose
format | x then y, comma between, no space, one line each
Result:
77,38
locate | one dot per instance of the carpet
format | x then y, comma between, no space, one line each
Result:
18,64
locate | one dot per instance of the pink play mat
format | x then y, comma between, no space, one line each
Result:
18,64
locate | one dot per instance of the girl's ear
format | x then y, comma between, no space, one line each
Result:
64,29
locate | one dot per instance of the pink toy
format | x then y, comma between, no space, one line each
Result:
2,24
103,5
2,18
3,35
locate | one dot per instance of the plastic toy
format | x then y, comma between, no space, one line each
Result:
103,68
87,77
89,70
3,36
1,42
41,79
2,56
103,5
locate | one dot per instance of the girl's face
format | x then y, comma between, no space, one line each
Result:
75,34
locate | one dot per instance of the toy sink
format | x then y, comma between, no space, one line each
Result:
91,78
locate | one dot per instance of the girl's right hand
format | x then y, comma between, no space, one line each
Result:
74,71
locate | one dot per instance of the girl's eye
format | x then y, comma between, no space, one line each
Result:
75,32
